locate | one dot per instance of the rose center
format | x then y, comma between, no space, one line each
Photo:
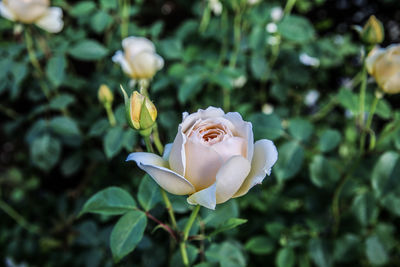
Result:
210,133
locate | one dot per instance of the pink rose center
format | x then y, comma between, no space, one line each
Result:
210,133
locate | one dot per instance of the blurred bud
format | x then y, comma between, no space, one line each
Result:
267,109
253,2
311,98
240,81
216,7
271,27
276,13
141,113
373,32
384,66
105,95
308,60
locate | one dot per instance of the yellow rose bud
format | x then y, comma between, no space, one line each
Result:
373,31
141,113
105,95
384,66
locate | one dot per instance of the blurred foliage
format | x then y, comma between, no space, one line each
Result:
322,206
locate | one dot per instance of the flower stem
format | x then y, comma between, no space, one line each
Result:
110,114
169,208
157,142
378,95
186,231
18,218
125,18
363,88
149,146
35,62
289,6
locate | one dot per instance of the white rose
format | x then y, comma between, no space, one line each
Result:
33,11
213,158
139,59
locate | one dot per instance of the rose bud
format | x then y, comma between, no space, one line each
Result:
105,95
212,159
384,66
140,112
373,32
33,12
139,59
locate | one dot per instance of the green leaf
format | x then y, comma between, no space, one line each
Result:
300,129
88,50
386,173
55,69
296,29
329,140
99,127
61,101
259,66
322,172
365,208
109,201
285,257
289,162
266,126
149,193
82,8
222,213
260,245
192,84
320,253
113,141
231,255
127,233
228,225
376,252
64,126
100,21
45,152
171,48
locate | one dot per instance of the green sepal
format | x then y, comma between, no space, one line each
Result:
127,108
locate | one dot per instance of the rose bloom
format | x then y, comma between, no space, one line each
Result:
213,158
139,59
384,66
33,12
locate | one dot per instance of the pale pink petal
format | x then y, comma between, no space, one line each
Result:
230,177
6,12
210,112
177,156
134,45
167,151
202,164
120,59
231,146
156,167
242,129
205,197
52,20
265,156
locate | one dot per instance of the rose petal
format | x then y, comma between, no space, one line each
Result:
167,151
205,197
202,164
243,129
177,156
159,62
155,166
265,156
230,177
134,45
120,59
231,146
6,12
210,112
52,20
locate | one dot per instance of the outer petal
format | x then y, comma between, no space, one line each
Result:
177,156
167,151
202,164
265,156
372,58
243,129
159,61
230,177
134,45
52,20
232,146
6,12
155,166
205,197
120,59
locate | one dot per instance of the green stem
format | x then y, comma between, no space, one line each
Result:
110,114
157,142
325,110
149,146
169,208
226,99
205,19
18,218
35,62
363,88
369,122
236,37
289,6
186,231
125,18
